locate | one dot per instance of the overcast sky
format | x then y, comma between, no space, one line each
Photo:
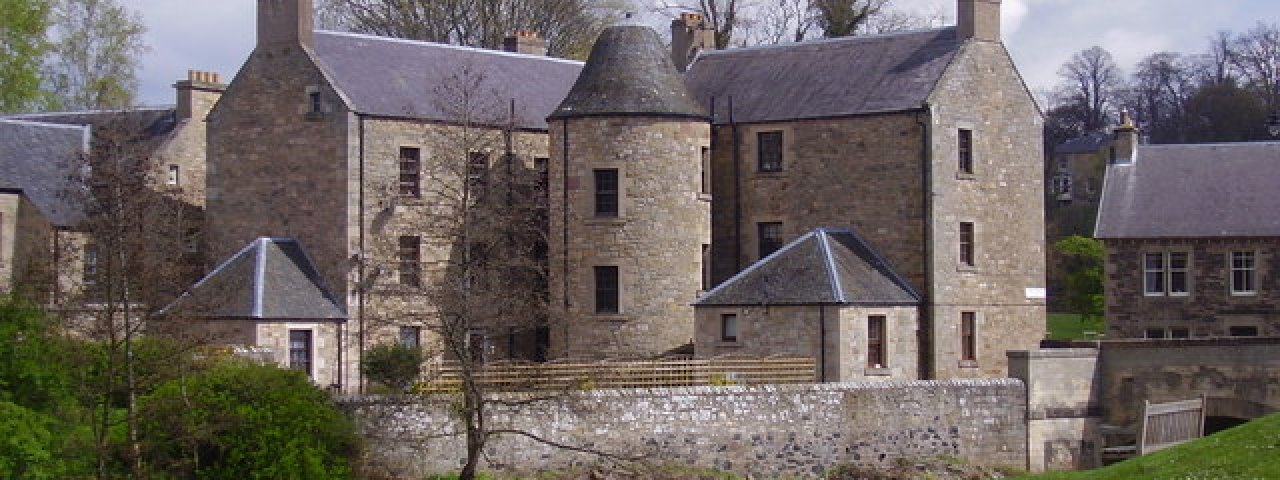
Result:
1041,34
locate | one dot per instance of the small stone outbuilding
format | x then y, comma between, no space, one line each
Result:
268,296
826,295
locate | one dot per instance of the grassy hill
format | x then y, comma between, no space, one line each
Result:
1251,450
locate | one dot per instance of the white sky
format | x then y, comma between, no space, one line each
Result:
1041,34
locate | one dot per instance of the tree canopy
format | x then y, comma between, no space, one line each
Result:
22,48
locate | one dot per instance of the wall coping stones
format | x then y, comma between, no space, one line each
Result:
1160,342
1054,353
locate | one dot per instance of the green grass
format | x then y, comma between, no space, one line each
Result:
1251,450
1069,326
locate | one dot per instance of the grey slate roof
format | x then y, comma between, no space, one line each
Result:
1208,190
1087,143
271,278
41,160
400,78
824,78
629,72
822,267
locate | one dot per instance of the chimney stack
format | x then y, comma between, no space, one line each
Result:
978,20
1124,144
197,93
525,41
690,35
285,22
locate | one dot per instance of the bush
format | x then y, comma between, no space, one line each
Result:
243,420
393,365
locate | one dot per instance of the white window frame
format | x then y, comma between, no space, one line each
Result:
1251,270
1166,273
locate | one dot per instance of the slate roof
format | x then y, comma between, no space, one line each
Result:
824,78
1207,190
146,122
629,72
41,159
822,267
271,278
1087,143
398,78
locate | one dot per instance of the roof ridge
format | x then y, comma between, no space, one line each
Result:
33,123
830,262
424,43
754,266
1259,143
155,108
823,41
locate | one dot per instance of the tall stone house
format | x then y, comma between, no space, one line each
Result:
912,159
44,249
1191,238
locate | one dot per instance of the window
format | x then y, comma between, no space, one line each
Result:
606,289
1153,333
411,337
606,183
477,172
90,276
966,244
410,166
300,350
706,171
770,237
314,98
875,341
1179,332
964,150
729,327
1243,331
706,261
1165,273
1243,274
541,164
968,336
769,151
173,175
410,256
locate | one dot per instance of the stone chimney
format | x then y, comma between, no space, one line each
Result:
525,41
285,22
978,20
690,35
1124,144
198,93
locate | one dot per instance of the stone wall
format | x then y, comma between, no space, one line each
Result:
765,431
656,239
1209,309
1063,406
1003,197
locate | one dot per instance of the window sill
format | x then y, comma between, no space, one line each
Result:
771,174
313,116
606,221
968,364
611,317
1244,294
728,344
706,197
966,176
877,372
967,269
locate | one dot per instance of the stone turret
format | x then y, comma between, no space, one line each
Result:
629,222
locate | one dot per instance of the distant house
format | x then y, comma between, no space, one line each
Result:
1192,234
826,295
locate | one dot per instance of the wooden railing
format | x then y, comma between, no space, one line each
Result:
1167,424
625,374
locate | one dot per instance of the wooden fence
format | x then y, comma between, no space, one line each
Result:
626,374
1164,425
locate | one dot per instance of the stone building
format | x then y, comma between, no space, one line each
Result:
927,143
660,185
630,222
1191,238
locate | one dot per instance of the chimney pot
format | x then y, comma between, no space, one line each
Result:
526,42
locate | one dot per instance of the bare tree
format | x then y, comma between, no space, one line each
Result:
568,25
1093,83
842,18
1256,55
1158,93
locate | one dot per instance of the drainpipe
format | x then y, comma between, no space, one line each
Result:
737,191
926,335
360,263
564,228
822,347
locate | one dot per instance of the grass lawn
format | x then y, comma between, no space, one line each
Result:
1068,326
1251,450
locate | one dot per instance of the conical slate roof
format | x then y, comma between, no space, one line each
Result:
629,73
271,278
822,267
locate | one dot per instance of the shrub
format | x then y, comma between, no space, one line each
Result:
392,364
244,420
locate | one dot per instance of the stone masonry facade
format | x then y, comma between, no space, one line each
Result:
656,240
782,431
1209,309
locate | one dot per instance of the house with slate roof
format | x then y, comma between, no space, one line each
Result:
1191,236
826,295
663,185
